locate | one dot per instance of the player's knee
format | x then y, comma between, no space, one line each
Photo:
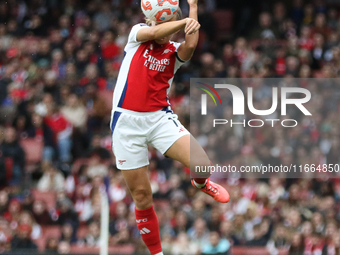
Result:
142,198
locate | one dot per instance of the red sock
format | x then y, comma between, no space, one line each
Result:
201,180
147,224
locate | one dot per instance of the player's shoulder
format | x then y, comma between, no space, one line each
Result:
136,28
132,39
139,26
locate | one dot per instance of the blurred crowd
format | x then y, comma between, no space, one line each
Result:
59,61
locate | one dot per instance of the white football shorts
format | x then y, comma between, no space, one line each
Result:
133,131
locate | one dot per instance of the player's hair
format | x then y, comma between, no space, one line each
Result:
179,16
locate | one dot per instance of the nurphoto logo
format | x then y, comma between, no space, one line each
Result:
239,104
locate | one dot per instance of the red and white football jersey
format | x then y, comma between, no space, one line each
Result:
146,74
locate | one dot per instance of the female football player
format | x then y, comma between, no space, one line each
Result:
142,115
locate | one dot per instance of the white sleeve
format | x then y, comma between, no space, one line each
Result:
179,62
132,40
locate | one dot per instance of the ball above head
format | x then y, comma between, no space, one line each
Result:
159,10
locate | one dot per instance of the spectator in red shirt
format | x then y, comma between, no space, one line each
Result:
62,132
320,26
110,48
13,213
280,66
91,76
306,41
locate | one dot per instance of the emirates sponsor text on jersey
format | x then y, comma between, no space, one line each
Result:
155,64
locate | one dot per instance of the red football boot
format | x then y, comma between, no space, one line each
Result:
214,190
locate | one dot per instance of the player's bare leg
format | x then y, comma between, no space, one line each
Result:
196,156
138,183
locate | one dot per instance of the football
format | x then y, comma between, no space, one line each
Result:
159,10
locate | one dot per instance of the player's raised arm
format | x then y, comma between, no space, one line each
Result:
161,30
187,48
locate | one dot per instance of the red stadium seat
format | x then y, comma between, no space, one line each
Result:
33,149
51,231
41,243
47,197
47,232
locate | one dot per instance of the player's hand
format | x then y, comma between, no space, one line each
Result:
192,26
192,2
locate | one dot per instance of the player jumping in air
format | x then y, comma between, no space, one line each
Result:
142,115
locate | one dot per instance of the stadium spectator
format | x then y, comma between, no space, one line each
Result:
280,238
122,237
67,213
182,245
93,236
3,177
258,239
266,28
96,148
52,179
52,245
64,248
22,239
62,131
12,215
68,234
95,106
96,167
297,246
5,235
110,50
74,112
103,18
4,201
41,213
198,233
40,131
117,189
27,219
216,245
182,223
11,148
